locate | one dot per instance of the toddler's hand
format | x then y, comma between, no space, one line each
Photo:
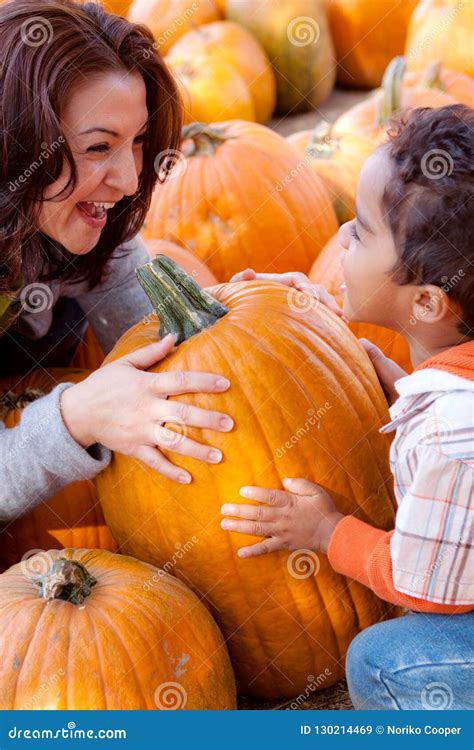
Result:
387,370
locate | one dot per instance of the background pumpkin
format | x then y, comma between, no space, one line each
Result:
191,264
211,89
272,213
366,36
337,161
294,370
327,270
441,30
231,43
295,35
119,7
458,85
370,118
136,639
170,19
71,518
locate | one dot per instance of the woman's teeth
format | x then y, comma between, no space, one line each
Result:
95,209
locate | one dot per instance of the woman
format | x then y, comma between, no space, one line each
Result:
90,118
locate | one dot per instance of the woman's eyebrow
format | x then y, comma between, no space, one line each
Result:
363,223
106,130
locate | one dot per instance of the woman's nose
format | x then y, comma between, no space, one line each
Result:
123,174
344,235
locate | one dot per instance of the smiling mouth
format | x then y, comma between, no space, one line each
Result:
95,209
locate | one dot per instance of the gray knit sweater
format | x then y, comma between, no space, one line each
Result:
54,457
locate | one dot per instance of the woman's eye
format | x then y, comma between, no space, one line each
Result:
354,232
102,148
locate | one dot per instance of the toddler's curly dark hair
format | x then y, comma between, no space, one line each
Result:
429,202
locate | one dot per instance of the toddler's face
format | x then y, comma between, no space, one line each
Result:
369,255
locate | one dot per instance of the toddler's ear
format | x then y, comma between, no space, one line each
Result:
431,304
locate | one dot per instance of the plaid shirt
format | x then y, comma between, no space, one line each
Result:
432,461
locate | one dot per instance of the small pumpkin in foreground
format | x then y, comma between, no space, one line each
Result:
88,629
242,196
305,402
327,270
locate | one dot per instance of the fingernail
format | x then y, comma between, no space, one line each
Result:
184,478
215,457
246,492
226,524
227,510
226,423
242,553
222,384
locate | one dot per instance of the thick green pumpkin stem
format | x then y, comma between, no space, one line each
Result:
204,140
322,145
68,580
392,89
431,78
182,307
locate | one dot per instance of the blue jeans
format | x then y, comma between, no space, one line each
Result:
417,661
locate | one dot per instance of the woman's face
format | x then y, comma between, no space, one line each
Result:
103,121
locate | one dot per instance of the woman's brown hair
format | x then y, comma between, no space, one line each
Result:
47,46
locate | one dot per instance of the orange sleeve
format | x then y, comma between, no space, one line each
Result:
362,552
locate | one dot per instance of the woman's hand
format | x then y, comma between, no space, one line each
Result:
302,518
387,370
122,407
296,280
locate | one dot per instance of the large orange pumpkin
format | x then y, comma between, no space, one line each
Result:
337,161
327,270
71,518
191,264
211,89
89,354
370,118
305,402
241,196
168,20
107,632
295,35
367,34
225,41
118,7
458,85
441,30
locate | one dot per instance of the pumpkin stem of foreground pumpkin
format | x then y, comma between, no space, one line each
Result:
66,579
431,78
204,140
182,307
392,89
